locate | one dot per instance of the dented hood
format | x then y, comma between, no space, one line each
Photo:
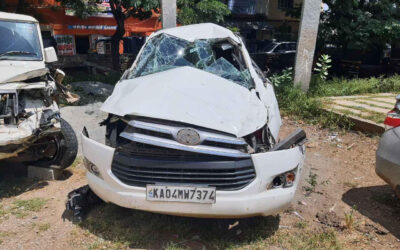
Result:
17,71
192,96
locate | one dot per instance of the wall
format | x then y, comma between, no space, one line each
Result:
276,17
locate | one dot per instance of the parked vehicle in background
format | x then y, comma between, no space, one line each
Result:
31,129
388,154
275,55
193,131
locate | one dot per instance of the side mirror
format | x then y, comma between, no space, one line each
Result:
50,55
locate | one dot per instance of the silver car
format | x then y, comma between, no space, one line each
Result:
388,154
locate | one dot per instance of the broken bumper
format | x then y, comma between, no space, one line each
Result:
257,198
388,159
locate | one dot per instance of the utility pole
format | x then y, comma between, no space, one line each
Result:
168,13
306,43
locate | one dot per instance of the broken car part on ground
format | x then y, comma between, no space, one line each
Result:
193,130
31,129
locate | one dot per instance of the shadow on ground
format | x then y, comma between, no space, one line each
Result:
378,203
138,229
14,180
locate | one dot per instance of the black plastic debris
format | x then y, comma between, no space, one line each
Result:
80,201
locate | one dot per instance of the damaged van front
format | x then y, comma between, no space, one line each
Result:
193,130
31,129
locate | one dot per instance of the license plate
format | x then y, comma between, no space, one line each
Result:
180,194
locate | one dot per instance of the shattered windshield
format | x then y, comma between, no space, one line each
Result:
221,58
19,41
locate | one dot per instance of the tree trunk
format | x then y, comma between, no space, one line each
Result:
119,17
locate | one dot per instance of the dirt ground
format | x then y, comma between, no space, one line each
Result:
341,204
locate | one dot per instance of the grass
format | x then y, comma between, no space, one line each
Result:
308,106
2,211
44,227
356,86
294,102
312,182
120,228
21,208
367,114
124,228
301,224
349,219
304,239
78,161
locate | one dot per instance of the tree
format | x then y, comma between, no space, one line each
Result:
189,11
123,9
199,11
360,24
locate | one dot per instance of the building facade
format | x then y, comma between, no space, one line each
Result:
279,19
74,35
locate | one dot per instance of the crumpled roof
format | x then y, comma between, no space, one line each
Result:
199,31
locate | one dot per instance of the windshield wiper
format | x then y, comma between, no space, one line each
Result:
16,52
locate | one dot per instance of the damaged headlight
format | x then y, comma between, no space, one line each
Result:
285,180
93,169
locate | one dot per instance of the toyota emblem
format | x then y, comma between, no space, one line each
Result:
188,136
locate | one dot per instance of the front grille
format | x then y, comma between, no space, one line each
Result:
136,149
164,135
222,173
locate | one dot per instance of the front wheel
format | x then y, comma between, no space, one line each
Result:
61,150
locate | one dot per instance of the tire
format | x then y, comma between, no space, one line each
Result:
67,149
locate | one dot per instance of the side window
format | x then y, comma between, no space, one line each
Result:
292,46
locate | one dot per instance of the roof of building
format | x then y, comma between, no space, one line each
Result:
16,17
199,31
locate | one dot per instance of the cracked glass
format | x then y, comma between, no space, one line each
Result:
165,52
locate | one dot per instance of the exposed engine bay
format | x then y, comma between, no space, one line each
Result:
30,122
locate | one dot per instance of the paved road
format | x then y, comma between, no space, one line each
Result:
88,116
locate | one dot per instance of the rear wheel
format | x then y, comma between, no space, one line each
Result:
61,149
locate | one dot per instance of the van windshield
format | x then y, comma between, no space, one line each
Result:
19,41
222,58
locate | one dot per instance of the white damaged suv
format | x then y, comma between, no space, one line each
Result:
193,130
31,129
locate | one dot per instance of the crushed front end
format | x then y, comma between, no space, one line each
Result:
149,165
193,131
27,114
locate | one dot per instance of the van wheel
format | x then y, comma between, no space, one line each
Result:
61,150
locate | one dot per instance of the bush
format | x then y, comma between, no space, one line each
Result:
307,106
293,101
342,87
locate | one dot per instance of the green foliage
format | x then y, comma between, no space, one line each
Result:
283,79
234,29
323,66
308,106
82,9
312,181
199,11
360,24
141,9
349,218
21,208
343,87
